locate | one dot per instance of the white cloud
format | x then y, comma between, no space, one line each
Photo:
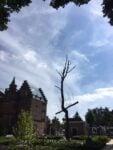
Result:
98,94
101,97
3,55
30,56
96,9
102,33
79,56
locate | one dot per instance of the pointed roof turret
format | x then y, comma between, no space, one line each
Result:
13,81
25,89
12,86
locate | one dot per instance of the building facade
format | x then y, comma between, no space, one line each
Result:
77,127
13,100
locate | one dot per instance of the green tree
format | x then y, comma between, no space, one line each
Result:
89,117
55,126
7,7
99,116
77,117
24,130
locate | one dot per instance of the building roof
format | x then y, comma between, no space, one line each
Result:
38,94
1,94
74,119
2,90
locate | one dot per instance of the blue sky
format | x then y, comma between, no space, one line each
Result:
39,38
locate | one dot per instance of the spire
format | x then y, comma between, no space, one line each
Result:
12,86
13,81
25,90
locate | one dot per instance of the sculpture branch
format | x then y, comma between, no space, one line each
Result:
63,74
58,87
72,105
67,107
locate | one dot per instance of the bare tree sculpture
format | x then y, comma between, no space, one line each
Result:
63,74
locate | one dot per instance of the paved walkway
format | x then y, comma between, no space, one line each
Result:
109,145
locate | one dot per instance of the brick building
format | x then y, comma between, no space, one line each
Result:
13,100
77,127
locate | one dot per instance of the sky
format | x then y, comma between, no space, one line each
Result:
37,41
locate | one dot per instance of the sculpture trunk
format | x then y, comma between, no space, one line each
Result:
64,109
67,128
67,133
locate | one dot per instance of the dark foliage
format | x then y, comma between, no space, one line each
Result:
61,3
107,6
95,143
72,145
7,7
108,10
99,116
77,117
55,126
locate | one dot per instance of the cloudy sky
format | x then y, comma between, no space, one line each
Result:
39,38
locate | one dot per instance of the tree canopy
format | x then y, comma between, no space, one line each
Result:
55,126
77,117
107,6
99,116
24,129
9,6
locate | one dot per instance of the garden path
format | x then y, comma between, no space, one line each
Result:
109,145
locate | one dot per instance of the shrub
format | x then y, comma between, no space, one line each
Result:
24,130
57,137
6,140
72,145
103,139
95,143
81,137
